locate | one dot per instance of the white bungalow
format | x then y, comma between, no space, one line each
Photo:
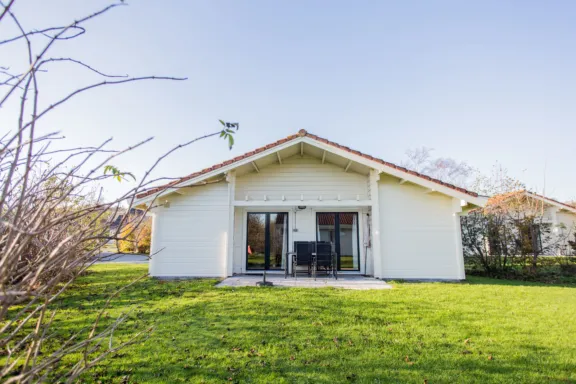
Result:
561,218
243,215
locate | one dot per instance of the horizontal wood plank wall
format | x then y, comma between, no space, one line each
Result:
192,233
238,240
299,177
417,232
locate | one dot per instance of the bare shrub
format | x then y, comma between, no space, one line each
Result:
53,218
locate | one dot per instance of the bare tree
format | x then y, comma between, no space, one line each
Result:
510,234
446,169
53,218
498,182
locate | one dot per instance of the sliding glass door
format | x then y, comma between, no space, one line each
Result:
341,229
266,240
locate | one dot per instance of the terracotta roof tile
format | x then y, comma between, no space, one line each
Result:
302,133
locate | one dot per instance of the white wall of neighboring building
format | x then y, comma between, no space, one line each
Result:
190,235
567,220
567,228
562,229
419,233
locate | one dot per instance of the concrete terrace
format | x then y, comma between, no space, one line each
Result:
344,281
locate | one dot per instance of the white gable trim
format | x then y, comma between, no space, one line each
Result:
328,148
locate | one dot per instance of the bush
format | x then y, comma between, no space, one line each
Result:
513,247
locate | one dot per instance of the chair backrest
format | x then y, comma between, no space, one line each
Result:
323,247
323,252
303,251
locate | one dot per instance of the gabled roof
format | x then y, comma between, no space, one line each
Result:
499,199
302,134
550,201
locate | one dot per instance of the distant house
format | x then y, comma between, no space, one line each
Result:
242,216
560,216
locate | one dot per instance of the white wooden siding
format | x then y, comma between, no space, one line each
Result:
191,233
303,177
239,240
417,232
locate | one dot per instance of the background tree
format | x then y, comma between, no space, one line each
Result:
497,182
459,173
137,235
446,169
53,218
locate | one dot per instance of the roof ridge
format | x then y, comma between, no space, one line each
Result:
304,133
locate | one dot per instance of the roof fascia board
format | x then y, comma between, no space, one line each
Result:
396,172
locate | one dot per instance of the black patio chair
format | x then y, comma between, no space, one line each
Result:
324,259
303,255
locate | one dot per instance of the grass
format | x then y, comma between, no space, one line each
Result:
481,331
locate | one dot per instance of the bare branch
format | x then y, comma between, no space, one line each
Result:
52,60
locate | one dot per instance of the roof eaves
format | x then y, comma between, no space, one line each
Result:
302,133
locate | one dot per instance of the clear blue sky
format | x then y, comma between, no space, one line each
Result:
478,81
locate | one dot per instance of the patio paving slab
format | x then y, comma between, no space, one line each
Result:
344,281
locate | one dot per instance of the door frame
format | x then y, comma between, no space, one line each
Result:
266,239
337,237
240,254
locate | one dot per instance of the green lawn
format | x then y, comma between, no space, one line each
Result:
482,331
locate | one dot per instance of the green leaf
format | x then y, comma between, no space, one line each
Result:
116,174
222,122
131,175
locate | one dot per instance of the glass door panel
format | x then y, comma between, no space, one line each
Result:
278,240
341,229
326,227
267,240
349,257
256,241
